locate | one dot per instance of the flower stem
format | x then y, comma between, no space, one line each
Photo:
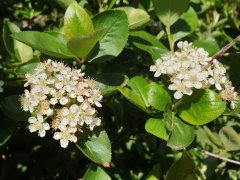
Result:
170,39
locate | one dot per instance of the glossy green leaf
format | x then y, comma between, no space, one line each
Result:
82,45
11,107
155,52
77,22
230,138
134,98
137,85
95,145
149,38
181,134
15,48
46,43
201,107
169,11
210,46
96,173
137,18
109,82
157,128
157,96
116,24
213,137
185,25
183,169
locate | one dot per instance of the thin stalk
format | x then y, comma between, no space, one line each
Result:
170,39
219,157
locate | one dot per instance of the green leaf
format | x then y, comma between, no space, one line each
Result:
95,145
185,25
26,68
183,169
137,85
15,48
11,108
76,22
137,18
229,138
8,29
155,52
133,98
155,173
169,11
210,46
201,107
149,38
45,42
64,3
157,96
236,110
213,137
181,134
82,45
109,82
116,24
96,173
23,52
157,128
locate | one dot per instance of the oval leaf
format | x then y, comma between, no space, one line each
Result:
157,96
95,145
116,24
46,43
181,134
15,48
229,138
76,21
201,107
137,18
157,128
8,29
169,11
82,45
96,173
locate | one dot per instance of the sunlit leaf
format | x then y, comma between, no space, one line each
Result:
201,107
76,21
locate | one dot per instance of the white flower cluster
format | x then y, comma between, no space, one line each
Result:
190,68
62,98
1,84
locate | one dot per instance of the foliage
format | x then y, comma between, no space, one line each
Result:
145,133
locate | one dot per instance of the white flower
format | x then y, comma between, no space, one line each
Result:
38,124
190,68
62,96
65,135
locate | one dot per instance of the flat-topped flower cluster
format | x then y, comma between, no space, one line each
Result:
61,98
191,68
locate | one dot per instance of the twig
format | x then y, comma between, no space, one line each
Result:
225,48
219,157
